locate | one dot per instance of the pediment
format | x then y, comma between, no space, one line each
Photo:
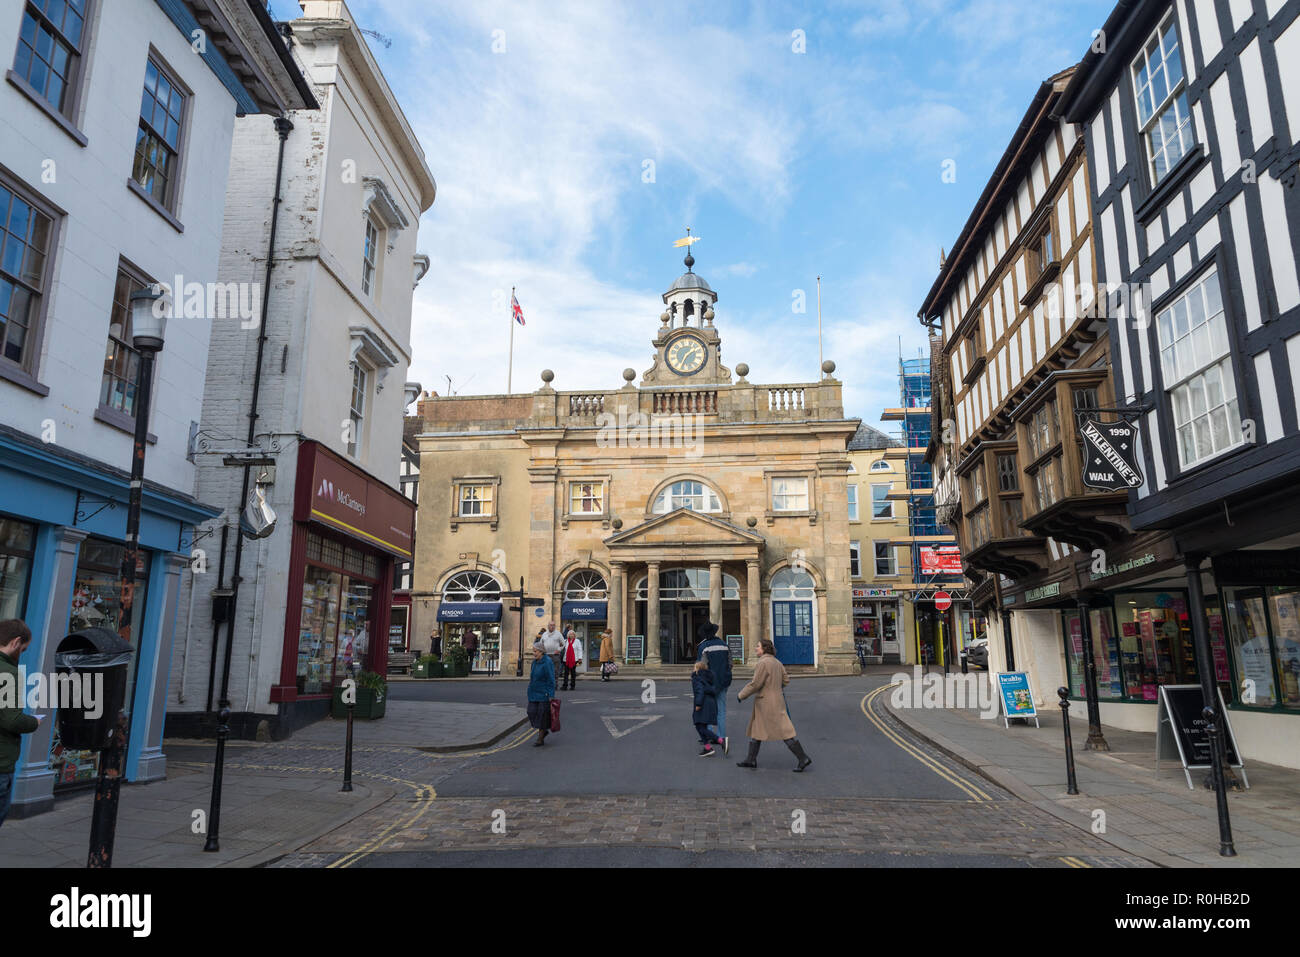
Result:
685,527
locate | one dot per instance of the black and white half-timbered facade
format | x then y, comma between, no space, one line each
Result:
1191,115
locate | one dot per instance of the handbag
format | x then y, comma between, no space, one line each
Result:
555,715
611,667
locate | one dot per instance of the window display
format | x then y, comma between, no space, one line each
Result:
334,629
1264,624
97,603
17,540
488,634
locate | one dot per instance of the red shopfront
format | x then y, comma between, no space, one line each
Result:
349,531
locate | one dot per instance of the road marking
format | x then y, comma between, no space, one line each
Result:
1075,862
975,792
641,722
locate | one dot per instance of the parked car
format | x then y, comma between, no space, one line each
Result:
977,653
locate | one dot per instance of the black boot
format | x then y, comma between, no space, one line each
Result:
794,745
541,738
752,760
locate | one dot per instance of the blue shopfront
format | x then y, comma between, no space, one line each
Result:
587,619
62,529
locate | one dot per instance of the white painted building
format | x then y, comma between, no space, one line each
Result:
330,397
103,190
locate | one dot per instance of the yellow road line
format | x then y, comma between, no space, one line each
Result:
975,792
1076,863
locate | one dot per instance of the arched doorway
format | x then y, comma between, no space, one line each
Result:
794,616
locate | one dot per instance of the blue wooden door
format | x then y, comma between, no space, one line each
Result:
793,632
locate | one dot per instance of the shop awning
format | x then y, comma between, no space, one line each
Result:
584,610
469,611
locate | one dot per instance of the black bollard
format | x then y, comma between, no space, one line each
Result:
103,820
1064,695
213,843
1220,789
347,755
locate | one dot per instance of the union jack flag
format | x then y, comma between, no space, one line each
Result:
516,311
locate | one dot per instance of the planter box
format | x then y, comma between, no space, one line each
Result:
451,670
431,670
370,704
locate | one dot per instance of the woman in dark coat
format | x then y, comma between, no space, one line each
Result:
705,709
541,689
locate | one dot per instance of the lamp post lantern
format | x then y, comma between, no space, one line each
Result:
149,309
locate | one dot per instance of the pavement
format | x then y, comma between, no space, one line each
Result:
275,797
1123,799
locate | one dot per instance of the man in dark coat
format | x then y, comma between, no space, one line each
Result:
717,655
15,636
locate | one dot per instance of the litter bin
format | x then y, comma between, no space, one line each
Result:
105,656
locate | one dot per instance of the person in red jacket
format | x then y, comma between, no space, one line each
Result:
571,655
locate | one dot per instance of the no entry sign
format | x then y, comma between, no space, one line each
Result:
942,600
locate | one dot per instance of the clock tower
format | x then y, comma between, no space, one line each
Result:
688,350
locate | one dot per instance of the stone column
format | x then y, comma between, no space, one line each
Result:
652,615
753,608
616,615
715,593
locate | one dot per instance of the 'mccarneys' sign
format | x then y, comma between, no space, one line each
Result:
1110,455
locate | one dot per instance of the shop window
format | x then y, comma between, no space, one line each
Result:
855,560
97,603
1105,651
17,545
1264,625
790,584
853,502
334,627
1197,371
789,494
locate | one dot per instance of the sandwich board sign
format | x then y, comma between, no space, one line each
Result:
736,644
635,649
1016,696
1180,731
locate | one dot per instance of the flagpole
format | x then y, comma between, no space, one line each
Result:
819,328
510,373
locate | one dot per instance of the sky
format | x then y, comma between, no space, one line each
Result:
572,143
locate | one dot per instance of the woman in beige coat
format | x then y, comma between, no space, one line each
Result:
770,721
606,653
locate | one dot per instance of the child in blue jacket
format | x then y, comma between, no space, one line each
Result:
705,702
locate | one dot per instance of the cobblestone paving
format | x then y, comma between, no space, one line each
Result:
908,827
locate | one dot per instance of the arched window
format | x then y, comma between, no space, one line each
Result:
881,466
789,584
853,470
471,586
696,496
586,585
688,584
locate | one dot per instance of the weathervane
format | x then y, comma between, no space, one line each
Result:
688,241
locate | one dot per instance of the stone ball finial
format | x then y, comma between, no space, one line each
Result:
828,367
742,369
664,317
751,521
548,376
629,375
708,315
617,523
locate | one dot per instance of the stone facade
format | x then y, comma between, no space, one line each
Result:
693,494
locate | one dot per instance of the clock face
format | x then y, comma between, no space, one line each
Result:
686,355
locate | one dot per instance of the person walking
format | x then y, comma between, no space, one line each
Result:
435,644
770,720
572,657
470,644
15,636
704,697
717,655
606,653
541,689
554,641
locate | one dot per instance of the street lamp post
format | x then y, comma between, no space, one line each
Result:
149,309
